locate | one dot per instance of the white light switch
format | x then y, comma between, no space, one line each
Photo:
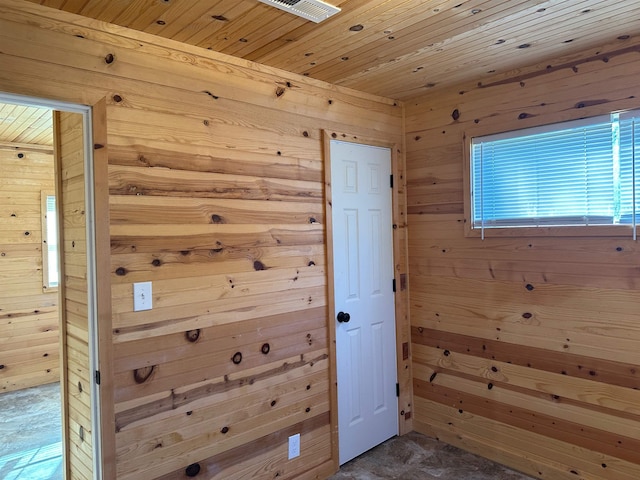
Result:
142,296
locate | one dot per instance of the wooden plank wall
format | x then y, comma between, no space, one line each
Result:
29,347
216,196
77,375
525,349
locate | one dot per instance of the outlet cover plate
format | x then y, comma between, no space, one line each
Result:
294,446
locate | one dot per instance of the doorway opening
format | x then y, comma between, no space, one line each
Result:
48,347
362,294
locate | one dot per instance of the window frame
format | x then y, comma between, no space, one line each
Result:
47,287
623,230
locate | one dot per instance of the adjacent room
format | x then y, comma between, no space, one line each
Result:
30,397
292,230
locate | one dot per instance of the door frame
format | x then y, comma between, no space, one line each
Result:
98,265
403,365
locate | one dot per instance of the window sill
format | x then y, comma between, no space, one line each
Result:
575,231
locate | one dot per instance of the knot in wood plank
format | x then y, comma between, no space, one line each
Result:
141,375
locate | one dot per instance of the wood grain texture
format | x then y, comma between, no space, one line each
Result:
524,348
216,192
74,289
26,127
28,312
398,49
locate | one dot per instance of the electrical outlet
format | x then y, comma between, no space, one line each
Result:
294,446
142,296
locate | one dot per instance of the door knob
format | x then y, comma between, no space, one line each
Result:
343,317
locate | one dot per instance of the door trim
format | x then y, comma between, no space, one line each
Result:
105,433
400,265
98,266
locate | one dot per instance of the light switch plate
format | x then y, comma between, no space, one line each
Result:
142,299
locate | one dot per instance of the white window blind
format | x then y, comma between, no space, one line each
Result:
573,173
629,127
52,242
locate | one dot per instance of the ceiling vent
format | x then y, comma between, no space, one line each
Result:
314,10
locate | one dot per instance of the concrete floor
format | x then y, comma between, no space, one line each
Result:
417,457
30,448
31,434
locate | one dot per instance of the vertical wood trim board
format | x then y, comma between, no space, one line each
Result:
103,288
70,148
29,331
525,350
62,315
333,371
216,188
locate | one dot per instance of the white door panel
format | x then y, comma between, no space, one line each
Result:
363,274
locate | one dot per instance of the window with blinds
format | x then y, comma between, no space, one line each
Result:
579,173
51,271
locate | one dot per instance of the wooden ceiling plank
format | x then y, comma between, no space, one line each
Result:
40,131
304,29
52,3
262,25
410,35
336,30
13,121
446,28
577,33
73,6
45,139
459,75
193,19
467,44
310,37
401,33
281,31
139,14
5,110
410,14
33,127
7,118
543,38
277,30
94,8
176,18
523,57
393,62
241,27
206,37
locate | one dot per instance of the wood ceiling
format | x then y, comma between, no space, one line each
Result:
25,127
394,48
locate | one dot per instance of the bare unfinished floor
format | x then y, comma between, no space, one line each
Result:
417,457
31,434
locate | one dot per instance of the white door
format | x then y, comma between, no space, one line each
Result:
364,298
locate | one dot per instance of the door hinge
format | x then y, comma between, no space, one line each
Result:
394,285
391,181
97,377
398,390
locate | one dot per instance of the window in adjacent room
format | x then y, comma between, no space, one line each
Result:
50,271
572,174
